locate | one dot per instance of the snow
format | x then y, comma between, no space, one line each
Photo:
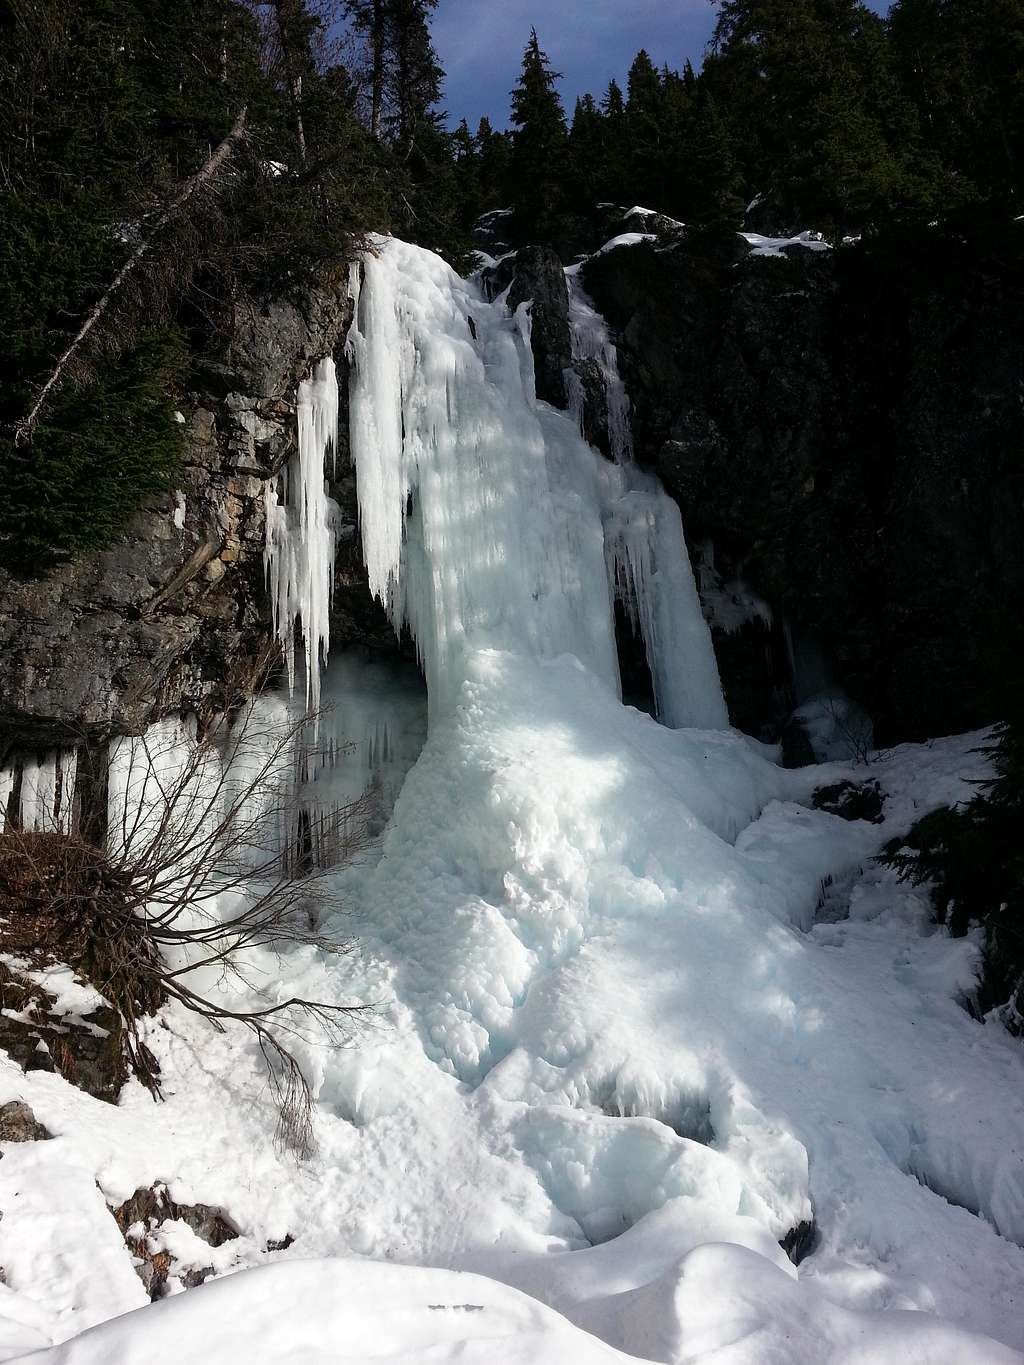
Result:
622,1035
776,246
339,1313
301,531
626,239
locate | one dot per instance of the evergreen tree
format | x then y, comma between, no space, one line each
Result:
805,84
616,141
537,172
972,860
589,177
960,64
613,104
431,203
645,133
494,153
153,175
714,206
675,168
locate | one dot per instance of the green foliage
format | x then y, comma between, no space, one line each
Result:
100,449
971,857
540,144
109,107
961,69
833,117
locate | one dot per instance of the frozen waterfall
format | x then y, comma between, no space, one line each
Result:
487,521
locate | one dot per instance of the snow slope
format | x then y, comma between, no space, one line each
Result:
626,1034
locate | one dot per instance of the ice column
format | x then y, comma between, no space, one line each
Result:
301,531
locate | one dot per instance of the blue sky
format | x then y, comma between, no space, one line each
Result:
480,43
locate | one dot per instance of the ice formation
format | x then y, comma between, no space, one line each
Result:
46,802
487,521
301,531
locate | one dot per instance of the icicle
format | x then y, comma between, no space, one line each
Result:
6,787
301,532
38,793
652,577
67,768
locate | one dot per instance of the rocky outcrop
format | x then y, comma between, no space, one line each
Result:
19,1124
534,276
176,609
142,1220
88,1049
845,427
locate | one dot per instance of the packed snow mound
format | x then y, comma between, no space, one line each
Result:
339,1313
779,246
721,1304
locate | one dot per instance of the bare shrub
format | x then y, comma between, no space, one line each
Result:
206,814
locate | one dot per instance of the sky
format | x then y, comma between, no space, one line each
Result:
480,43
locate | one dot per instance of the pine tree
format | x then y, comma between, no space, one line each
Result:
645,132
537,172
715,209
589,178
616,137
154,173
803,82
494,151
961,67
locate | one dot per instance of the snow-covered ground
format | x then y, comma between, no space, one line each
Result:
637,1012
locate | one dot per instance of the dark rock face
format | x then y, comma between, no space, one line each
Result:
168,616
89,1052
847,424
535,276
797,749
108,642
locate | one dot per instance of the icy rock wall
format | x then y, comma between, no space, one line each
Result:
648,564
487,521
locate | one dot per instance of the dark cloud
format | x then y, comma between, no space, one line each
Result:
481,45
